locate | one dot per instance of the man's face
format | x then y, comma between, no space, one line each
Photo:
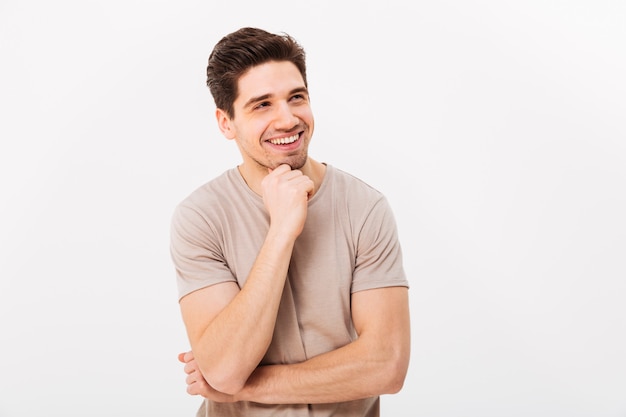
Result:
273,122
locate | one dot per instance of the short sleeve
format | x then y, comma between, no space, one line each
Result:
379,254
196,251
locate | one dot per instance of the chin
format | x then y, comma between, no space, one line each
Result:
297,163
294,161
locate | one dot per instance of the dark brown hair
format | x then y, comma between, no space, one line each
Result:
241,50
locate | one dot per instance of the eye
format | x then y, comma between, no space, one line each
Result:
298,97
262,105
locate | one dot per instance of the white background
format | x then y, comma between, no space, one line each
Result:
495,128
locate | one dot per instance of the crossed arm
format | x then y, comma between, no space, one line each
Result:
375,363
230,329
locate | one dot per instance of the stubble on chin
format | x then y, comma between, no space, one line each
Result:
299,161
295,163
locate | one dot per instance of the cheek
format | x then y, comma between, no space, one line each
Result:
308,117
249,131
255,127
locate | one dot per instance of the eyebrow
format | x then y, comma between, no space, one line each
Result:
263,97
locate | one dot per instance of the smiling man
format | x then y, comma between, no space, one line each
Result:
289,271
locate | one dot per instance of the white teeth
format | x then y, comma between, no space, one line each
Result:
284,141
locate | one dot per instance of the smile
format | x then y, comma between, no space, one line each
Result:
284,141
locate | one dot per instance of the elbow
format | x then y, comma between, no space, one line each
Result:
395,373
224,381
226,387
395,384
225,374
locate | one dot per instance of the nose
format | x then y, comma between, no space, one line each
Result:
285,119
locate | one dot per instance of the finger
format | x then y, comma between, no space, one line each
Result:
280,169
304,183
191,378
191,390
189,367
188,356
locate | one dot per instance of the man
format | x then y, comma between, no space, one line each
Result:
289,270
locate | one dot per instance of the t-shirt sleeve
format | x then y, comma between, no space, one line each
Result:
196,251
379,254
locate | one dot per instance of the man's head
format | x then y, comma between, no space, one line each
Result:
241,50
258,82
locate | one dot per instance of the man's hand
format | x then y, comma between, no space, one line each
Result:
285,195
196,384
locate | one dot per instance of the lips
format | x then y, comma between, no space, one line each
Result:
284,141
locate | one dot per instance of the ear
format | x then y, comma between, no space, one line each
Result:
225,124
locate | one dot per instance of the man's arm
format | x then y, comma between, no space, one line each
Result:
230,329
374,364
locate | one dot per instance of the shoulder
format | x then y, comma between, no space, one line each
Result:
354,191
210,199
353,198
350,184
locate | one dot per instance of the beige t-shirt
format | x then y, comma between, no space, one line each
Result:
349,244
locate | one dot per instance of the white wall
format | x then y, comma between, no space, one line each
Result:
496,129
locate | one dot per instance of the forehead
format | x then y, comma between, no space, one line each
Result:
270,78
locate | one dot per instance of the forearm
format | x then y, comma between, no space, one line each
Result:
235,341
355,371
